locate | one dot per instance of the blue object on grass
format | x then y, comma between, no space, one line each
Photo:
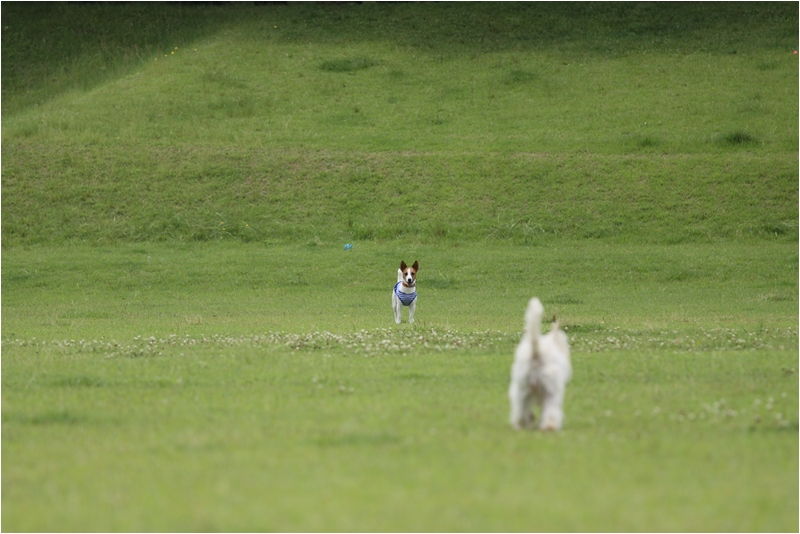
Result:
348,246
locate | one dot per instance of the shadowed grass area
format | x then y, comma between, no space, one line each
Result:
49,48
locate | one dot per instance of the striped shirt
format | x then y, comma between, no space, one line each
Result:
405,298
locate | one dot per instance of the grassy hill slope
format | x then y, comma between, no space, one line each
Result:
316,122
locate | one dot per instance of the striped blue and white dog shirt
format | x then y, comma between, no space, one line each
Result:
405,298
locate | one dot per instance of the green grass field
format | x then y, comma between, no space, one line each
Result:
186,346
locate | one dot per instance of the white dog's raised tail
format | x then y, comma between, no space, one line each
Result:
540,372
533,324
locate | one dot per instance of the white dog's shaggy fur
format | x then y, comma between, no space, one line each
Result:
540,373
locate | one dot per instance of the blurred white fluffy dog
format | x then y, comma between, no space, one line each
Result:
540,373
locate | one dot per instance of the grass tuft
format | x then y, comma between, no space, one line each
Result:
347,64
519,76
739,138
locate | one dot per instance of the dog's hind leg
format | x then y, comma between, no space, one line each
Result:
552,413
521,415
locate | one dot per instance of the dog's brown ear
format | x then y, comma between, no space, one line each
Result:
415,266
403,266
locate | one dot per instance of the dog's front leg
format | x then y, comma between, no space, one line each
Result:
411,308
397,307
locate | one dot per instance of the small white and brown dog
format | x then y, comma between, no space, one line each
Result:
540,373
405,291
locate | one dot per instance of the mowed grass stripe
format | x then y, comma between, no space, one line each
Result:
119,292
206,193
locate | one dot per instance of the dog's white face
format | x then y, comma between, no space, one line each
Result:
409,273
